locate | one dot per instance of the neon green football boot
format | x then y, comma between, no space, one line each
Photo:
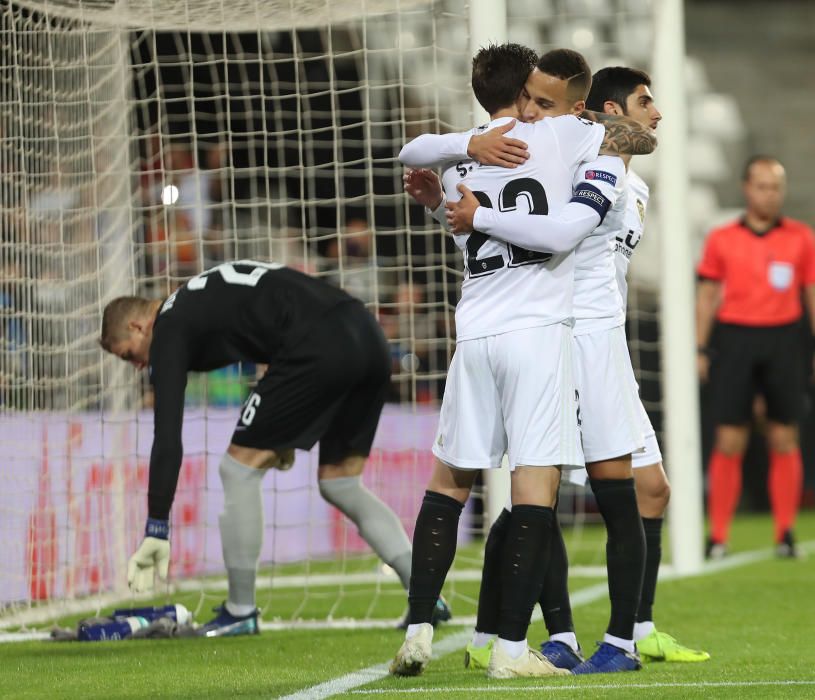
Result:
659,646
478,658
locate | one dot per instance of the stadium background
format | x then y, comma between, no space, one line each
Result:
281,145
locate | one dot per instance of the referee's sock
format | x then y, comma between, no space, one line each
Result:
724,491
785,487
434,547
526,555
554,598
489,595
625,551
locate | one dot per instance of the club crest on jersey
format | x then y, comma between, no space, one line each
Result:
610,178
641,210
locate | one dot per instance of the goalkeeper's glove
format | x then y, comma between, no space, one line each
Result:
152,556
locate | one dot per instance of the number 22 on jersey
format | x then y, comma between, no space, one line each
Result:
508,201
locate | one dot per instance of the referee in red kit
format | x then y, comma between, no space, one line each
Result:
753,276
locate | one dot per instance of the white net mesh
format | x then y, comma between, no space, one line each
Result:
144,142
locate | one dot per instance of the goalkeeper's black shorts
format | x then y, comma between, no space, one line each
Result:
331,387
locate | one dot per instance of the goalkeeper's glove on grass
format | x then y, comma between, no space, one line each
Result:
152,556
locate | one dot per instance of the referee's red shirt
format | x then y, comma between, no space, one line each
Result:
761,274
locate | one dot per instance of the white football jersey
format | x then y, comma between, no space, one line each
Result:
507,287
630,232
597,301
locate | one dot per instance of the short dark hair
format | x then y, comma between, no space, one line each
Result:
499,74
752,160
615,84
570,66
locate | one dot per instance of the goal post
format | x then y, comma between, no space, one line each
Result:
682,447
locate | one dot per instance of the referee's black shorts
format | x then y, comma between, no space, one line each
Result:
330,386
752,360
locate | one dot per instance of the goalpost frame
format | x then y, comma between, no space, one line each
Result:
680,388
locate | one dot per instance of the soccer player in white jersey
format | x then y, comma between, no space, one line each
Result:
626,91
611,423
615,91
503,394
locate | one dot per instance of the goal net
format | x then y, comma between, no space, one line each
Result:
143,142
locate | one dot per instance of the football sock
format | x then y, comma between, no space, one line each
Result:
523,566
643,629
554,598
653,556
241,526
567,638
378,525
489,595
514,649
785,487
413,630
481,639
724,491
620,642
434,547
625,551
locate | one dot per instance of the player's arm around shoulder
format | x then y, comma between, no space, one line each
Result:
600,183
624,136
435,150
491,147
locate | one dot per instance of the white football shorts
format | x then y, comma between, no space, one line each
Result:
611,423
511,393
651,454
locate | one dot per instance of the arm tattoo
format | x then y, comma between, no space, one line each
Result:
624,136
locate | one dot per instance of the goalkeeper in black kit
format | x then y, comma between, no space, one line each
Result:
329,369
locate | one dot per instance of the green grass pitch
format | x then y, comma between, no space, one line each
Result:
756,620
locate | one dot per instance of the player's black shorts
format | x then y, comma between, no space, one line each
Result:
757,360
330,387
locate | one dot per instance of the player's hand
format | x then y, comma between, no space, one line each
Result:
151,558
493,148
460,214
424,186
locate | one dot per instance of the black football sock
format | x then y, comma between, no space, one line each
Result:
526,554
434,547
625,551
489,596
653,556
554,598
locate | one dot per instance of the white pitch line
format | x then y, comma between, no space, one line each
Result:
542,688
454,642
373,673
583,596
